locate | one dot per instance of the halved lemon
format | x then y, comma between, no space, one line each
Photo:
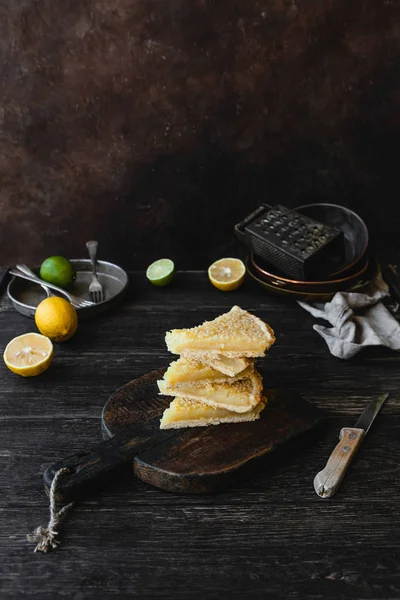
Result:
29,354
227,274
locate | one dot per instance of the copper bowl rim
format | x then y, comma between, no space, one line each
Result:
295,282
357,216
297,292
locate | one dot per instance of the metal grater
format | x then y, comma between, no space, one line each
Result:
295,244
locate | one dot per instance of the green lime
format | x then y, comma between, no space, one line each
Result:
58,270
161,272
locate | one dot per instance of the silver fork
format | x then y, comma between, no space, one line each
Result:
95,288
75,300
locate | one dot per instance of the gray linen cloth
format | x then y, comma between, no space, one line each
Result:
350,332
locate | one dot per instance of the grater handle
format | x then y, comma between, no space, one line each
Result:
239,227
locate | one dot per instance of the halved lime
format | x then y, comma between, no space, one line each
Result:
161,272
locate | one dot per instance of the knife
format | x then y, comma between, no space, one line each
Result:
327,481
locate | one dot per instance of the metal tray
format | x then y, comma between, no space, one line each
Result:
25,296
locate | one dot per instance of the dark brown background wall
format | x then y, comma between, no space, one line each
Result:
154,126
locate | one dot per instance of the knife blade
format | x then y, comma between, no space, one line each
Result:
327,481
88,470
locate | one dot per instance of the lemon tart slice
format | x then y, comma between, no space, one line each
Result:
239,396
189,413
236,333
182,372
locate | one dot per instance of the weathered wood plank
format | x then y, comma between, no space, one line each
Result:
28,447
270,537
224,551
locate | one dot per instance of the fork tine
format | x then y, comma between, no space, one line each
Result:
84,303
96,296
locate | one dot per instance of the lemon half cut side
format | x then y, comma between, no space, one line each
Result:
29,354
227,274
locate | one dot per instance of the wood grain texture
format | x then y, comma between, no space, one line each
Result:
270,537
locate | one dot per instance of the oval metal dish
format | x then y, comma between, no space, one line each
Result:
25,296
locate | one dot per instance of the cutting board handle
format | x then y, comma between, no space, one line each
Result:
97,467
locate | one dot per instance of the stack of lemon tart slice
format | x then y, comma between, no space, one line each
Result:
214,380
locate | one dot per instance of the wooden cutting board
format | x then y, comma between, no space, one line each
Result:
207,459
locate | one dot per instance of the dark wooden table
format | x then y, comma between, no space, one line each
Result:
270,537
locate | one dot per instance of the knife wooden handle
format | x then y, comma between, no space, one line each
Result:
327,481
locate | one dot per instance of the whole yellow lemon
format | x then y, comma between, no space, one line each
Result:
56,318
